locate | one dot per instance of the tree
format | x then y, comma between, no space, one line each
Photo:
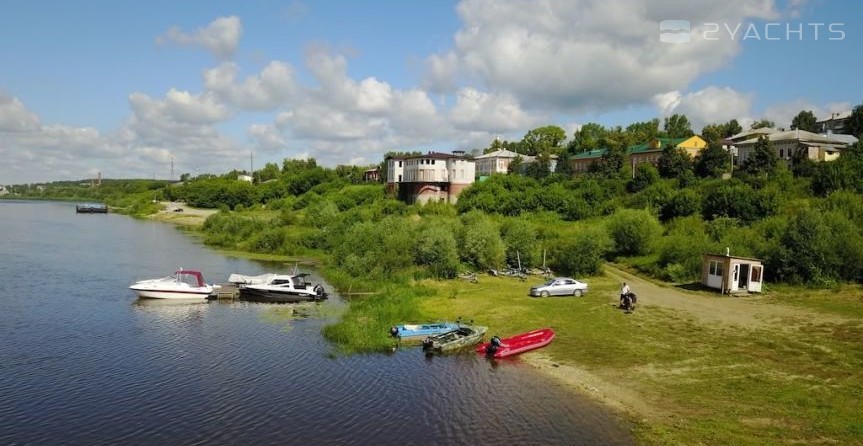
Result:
673,161
855,122
712,161
805,120
548,139
645,175
678,126
763,159
713,132
582,254
634,231
643,131
587,138
732,128
762,123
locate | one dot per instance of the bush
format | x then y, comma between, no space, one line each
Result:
520,241
479,241
435,248
634,231
581,255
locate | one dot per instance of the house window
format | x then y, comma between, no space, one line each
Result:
400,164
715,268
781,153
432,162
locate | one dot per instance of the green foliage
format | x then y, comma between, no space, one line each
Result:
587,138
634,231
763,159
479,241
673,162
645,175
582,254
680,251
712,161
678,126
435,248
377,250
683,203
735,199
855,122
543,140
805,120
762,123
520,242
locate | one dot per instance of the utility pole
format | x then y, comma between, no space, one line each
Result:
252,164
171,180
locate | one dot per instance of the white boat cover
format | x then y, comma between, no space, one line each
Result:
251,280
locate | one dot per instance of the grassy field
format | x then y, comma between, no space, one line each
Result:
789,380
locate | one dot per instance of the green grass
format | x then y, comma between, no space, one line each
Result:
718,384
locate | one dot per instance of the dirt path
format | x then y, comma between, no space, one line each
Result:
751,311
185,216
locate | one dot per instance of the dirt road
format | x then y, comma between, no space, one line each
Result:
185,216
751,311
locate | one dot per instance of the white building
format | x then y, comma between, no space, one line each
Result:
3,190
433,176
494,162
836,123
787,143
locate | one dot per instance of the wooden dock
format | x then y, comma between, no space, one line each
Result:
91,209
227,291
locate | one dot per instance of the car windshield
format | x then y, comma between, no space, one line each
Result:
550,282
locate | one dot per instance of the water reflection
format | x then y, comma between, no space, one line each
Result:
96,366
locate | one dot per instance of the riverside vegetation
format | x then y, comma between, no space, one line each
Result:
791,379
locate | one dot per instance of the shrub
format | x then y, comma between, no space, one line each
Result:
479,241
435,248
633,231
581,255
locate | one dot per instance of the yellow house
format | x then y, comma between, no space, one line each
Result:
650,151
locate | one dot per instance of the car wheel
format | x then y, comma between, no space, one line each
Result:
543,294
577,293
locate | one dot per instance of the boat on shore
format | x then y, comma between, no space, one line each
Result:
501,348
278,288
184,284
463,336
418,332
90,208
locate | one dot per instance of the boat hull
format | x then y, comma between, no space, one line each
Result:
517,344
161,294
270,296
464,336
418,332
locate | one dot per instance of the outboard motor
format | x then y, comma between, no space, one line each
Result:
319,292
428,343
394,331
493,346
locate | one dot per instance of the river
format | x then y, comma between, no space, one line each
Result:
83,362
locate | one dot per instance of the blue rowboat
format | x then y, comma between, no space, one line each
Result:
421,331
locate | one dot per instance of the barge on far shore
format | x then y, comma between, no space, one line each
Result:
91,209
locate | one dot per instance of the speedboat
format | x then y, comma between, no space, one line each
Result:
278,288
184,284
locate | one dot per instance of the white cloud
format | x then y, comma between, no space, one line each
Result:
475,110
783,113
274,86
573,56
14,117
221,37
707,106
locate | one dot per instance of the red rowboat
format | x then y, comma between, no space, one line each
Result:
518,343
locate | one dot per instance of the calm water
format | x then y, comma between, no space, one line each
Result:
83,362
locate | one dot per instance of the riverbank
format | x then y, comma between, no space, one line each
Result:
687,367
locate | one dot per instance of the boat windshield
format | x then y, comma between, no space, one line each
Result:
299,282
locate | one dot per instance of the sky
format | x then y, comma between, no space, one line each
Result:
130,89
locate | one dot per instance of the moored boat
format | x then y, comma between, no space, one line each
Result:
278,288
501,348
418,332
89,208
463,336
184,284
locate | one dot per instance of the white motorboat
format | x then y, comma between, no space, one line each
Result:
282,288
184,284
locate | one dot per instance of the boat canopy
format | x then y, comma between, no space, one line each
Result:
196,274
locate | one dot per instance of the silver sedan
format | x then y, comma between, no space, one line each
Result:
559,286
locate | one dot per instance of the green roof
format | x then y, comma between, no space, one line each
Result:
638,148
589,155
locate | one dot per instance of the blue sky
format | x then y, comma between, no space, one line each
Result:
122,88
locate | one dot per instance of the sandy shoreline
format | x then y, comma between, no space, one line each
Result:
185,216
